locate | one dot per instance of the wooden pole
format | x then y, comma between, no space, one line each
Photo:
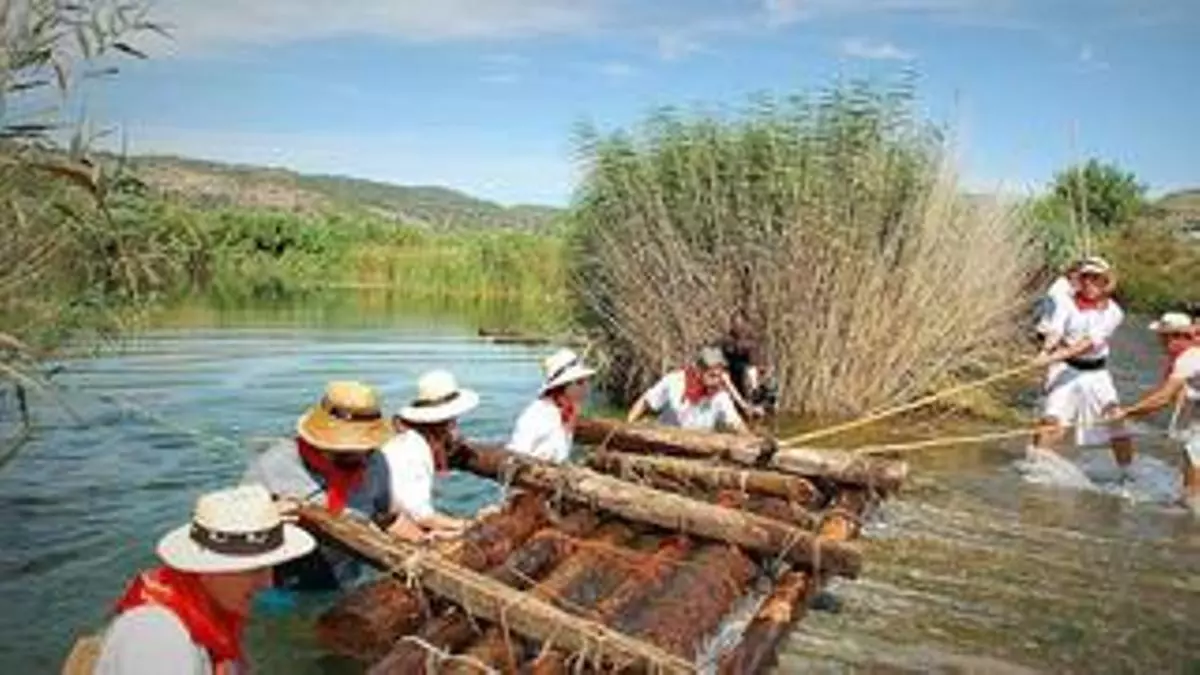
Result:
368,620
787,603
666,510
492,601
709,475
884,475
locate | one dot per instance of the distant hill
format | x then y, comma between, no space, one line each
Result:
212,184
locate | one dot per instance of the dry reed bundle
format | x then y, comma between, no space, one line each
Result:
836,223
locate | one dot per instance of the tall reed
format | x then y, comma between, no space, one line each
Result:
834,221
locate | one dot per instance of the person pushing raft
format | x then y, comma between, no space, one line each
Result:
546,428
1079,388
1180,386
694,397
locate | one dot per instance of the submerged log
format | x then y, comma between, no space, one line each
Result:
454,630
368,620
661,471
840,466
665,509
788,601
689,608
491,600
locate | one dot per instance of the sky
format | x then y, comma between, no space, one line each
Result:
483,95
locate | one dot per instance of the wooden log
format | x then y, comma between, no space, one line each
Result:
368,620
494,649
690,607
491,600
453,629
564,581
883,475
788,601
661,471
665,509
769,507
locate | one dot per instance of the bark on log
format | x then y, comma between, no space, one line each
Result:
491,600
769,507
453,629
664,471
787,603
666,510
690,607
561,587
367,621
494,649
840,466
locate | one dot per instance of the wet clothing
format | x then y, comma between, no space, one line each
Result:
1080,389
283,471
678,405
541,432
412,468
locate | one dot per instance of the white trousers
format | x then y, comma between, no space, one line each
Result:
1080,397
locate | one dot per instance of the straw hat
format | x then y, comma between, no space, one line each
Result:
1095,265
346,420
711,357
234,530
1173,322
439,399
564,367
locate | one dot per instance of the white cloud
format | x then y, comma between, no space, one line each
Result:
617,70
212,23
863,48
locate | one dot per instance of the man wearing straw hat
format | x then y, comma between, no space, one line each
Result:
546,428
1180,337
428,427
333,460
1079,388
695,397
187,616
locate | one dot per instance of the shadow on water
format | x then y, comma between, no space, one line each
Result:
971,569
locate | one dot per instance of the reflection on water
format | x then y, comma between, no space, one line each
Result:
970,570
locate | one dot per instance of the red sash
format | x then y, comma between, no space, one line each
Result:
339,481
217,631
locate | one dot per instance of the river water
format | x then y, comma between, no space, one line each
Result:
971,569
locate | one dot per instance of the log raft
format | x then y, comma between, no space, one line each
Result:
644,568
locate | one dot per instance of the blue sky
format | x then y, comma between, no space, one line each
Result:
481,95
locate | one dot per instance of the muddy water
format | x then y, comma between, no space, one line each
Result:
971,570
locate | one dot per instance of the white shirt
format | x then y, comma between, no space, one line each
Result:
1074,324
1060,291
150,640
410,463
1187,368
666,399
541,434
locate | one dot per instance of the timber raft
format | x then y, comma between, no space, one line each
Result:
631,563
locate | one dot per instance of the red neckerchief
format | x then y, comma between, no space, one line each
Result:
568,410
339,481
1084,304
694,390
217,631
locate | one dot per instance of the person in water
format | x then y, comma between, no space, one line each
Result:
333,461
695,397
1180,386
186,617
546,428
427,429
1079,388
743,357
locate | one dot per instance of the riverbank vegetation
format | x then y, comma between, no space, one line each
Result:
834,221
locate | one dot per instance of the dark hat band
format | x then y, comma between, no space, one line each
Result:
238,543
347,415
567,366
441,400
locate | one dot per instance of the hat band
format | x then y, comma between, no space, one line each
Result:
238,543
347,415
433,402
563,369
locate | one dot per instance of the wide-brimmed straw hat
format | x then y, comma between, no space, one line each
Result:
1173,322
347,419
1095,265
234,530
439,399
562,368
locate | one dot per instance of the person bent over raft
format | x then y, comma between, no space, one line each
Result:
1180,337
333,461
743,359
546,428
186,617
427,431
695,397
1079,388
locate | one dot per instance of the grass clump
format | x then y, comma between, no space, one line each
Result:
834,221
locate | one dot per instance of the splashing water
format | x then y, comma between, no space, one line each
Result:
1148,480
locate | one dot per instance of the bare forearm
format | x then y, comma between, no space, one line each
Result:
1156,400
637,411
